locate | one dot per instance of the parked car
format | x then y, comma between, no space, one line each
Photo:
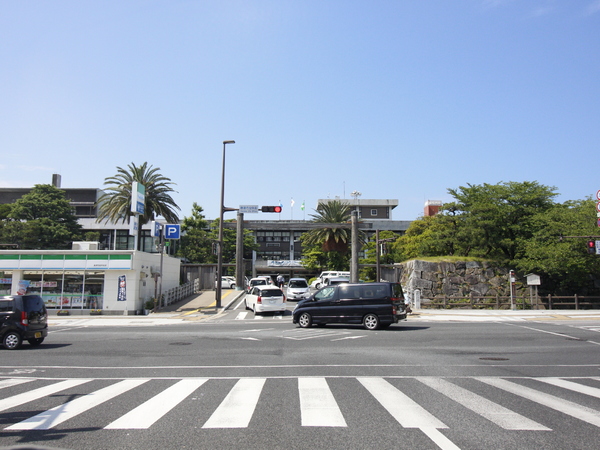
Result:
374,305
226,283
22,318
297,289
259,281
336,280
321,280
265,298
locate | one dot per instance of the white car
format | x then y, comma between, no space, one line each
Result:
265,298
258,281
297,289
226,283
321,280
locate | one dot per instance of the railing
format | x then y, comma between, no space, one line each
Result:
504,302
180,292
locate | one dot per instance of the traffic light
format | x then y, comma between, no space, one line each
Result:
275,209
591,246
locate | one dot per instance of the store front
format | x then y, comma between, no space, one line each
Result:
117,282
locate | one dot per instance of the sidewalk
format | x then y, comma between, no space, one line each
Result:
203,303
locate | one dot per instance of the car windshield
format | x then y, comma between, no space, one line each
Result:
258,282
297,284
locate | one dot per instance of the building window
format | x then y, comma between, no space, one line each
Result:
373,212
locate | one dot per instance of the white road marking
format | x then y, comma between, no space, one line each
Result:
237,408
57,415
25,397
580,412
497,414
318,407
150,411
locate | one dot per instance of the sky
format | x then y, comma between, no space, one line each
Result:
397,99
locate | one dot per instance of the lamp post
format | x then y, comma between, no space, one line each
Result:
220,238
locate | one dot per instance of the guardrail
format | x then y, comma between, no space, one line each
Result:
180,292
504,302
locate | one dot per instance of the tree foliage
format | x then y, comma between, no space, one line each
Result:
42,219
195,244
329,238
115,204
515,224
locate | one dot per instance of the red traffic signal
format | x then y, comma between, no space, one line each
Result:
275,209
591,246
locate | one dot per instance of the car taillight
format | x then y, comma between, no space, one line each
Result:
259,300
394,310
24,320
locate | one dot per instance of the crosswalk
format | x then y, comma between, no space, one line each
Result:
315,398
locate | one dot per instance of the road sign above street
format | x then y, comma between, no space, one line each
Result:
248,209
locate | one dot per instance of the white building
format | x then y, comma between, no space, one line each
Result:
116,282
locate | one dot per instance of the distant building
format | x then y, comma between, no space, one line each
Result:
432,207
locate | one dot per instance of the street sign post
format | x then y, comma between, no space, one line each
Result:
248,209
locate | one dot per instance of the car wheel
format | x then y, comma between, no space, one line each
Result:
318,286
371,322
305,321
12,340
35,342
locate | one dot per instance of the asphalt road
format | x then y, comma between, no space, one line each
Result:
263,383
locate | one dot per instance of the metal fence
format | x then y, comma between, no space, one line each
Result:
181,292
501,302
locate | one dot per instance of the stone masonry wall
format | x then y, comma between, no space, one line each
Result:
454,279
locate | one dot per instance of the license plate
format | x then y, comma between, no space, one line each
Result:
37,335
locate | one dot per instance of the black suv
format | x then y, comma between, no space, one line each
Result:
22,317
375,305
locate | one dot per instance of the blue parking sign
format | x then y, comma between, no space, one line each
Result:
172,231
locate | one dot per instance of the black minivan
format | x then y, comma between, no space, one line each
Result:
374,305
22,318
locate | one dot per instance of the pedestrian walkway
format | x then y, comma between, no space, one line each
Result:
314,397
203,303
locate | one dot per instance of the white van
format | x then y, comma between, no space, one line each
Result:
321,281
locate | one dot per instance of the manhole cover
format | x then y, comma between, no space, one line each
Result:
180,343
494,359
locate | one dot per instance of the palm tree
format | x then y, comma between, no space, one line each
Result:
115,204
331,239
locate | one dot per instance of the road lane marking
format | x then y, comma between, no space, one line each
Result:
318,407
580,412
25,397
501,416
57,415
150,411
13,382
407,412
576,387
237,408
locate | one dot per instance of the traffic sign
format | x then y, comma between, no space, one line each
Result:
598,195
248,209
172,231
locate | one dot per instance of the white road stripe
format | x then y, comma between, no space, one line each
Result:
570,385
58,414
406,411
497,414
237,408
318,407
241,316
580,412
13,382
29,396
150,411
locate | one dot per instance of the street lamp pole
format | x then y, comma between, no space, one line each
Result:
220,238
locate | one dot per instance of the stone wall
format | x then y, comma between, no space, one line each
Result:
454,279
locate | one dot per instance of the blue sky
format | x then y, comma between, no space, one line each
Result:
396,99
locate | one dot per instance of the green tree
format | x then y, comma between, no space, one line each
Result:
230,242
115,204
195,243
564,264
42,219
493,220
330,238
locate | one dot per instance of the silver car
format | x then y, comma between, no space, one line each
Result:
297,289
